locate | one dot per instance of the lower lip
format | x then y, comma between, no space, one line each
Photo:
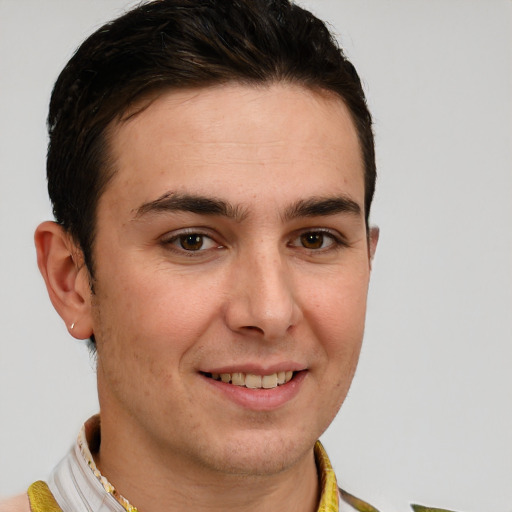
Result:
260,399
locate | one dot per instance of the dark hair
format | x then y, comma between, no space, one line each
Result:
173,44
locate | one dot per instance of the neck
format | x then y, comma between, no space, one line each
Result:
170,481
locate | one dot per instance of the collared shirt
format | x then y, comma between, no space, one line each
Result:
77,485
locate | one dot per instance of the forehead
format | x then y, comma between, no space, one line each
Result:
232,137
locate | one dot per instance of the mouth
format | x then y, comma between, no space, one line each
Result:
253,381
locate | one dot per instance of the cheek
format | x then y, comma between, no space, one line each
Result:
157,307
150,332
337,318
339,333
338,309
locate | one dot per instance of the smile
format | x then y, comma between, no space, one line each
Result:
252,381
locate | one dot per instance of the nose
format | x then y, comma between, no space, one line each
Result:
262,300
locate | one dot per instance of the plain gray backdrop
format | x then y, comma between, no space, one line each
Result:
429,415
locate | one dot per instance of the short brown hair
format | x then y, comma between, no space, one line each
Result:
174,44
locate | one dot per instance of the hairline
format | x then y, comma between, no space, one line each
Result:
145,98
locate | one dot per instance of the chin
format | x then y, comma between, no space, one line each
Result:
260,454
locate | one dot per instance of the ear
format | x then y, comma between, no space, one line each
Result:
66,276
373,238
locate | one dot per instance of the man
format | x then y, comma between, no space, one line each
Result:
211,168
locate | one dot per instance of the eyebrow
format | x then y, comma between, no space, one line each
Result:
322,206
201,205
173,201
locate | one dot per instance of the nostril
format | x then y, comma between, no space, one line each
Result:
254,328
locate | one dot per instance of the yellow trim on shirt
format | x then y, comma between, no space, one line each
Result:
41,499
328,484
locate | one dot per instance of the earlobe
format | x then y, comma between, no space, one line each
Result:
67,279
373,239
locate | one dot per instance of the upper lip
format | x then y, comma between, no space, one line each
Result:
256,369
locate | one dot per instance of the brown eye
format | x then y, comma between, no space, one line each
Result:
312,240
191,242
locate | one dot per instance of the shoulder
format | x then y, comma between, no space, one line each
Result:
18,503
349,503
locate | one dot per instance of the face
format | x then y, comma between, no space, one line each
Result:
232,269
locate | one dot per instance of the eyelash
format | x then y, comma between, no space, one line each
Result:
337,241
175,241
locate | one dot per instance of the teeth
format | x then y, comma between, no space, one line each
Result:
269,381
238,379
252,381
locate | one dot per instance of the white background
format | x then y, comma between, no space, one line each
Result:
429,417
